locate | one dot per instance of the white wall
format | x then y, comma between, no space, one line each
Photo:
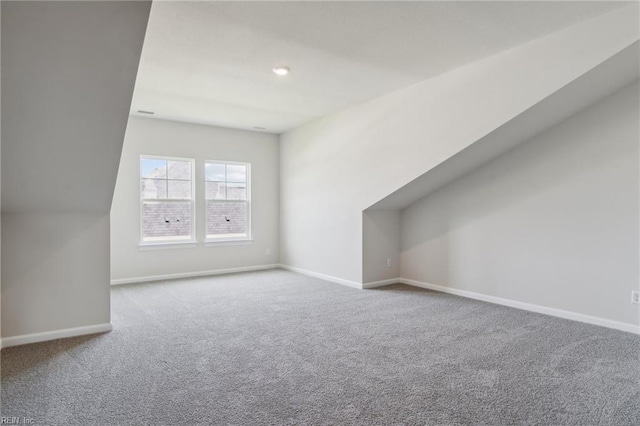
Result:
380,245
56,269
68,72
167,138
0,173
334,168
554,222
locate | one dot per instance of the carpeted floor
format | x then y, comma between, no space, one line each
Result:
275,347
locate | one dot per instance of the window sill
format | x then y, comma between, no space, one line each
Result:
227,242
167,245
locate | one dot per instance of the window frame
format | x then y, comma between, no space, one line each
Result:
247,238
167,242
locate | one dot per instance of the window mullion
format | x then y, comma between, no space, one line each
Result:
226,181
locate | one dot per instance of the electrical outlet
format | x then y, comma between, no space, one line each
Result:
635,296
268,252
388,263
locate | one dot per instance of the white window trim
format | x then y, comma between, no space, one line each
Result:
168,243
216,241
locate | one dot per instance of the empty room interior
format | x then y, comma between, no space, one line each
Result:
320,213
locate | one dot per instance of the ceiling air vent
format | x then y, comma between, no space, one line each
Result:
141,111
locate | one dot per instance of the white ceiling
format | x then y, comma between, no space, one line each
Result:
210,62
616,73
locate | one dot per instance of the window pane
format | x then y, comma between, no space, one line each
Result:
166,220
215,191
236,173
214,171
152,168
154,188
236,191
179,169
180,189
226,219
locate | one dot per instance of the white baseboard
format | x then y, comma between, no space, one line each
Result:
322,276
56,334
374,284
630,328
134,280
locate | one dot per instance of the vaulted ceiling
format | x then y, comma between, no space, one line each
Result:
211,62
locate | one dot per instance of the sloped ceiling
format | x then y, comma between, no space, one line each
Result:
68,72
612,75
210,62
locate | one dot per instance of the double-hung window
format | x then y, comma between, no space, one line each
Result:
166,200
227,199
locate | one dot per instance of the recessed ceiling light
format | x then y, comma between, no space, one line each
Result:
281,70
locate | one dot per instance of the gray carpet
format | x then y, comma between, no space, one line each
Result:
275,347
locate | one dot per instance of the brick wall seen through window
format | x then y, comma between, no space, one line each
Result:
227,200
166,194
